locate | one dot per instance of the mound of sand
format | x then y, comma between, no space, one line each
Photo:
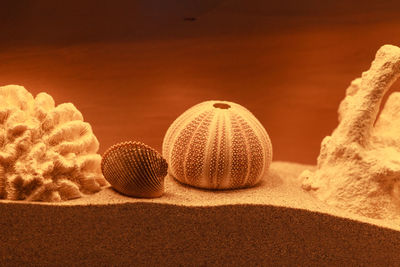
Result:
273,223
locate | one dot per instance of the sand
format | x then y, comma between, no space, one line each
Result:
275,222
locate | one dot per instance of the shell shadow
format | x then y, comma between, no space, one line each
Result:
270,179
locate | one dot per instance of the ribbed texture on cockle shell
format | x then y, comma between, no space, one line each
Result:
217,145
135,169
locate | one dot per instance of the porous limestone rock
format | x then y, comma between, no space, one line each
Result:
359,164
47,152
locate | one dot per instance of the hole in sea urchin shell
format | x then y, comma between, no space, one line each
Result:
221,105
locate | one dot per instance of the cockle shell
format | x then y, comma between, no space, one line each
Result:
135,169
217,145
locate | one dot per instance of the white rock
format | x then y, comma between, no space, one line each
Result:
359,164
47,152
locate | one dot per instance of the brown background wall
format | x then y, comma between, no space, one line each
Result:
132,67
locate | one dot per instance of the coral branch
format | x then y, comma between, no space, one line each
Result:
357,122
47,152
359,164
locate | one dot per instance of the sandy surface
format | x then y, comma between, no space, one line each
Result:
274,222
280,187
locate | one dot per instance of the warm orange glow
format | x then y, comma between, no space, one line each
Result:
133,75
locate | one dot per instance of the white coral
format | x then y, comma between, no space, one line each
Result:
359,164
47,152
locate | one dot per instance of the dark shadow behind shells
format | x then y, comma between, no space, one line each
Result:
135,169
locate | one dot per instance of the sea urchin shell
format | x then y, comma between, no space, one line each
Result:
135,169
217,145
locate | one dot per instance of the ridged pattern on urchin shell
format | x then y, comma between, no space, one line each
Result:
217,145
135,169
